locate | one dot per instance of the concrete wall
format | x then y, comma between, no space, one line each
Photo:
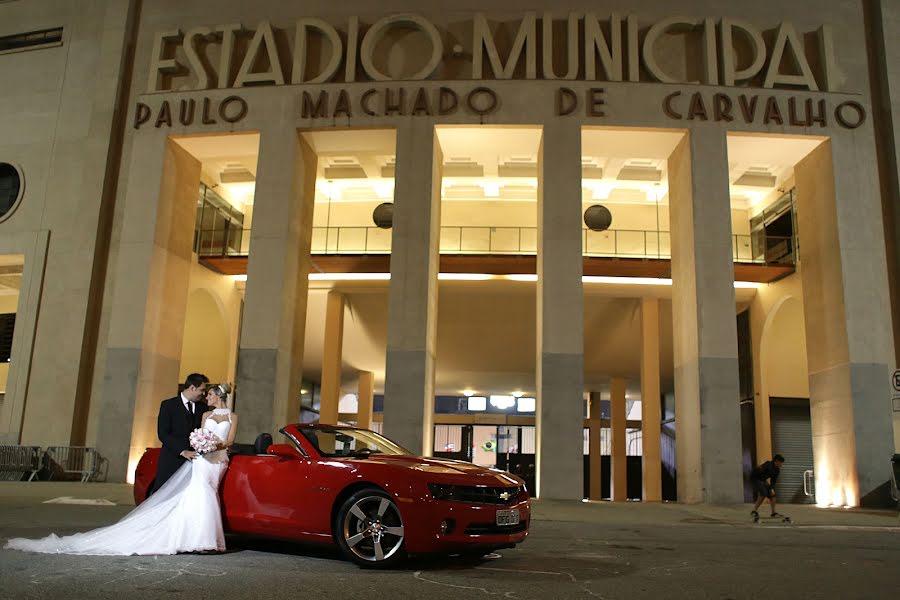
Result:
785,359
57,112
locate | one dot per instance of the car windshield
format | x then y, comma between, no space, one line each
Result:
339,442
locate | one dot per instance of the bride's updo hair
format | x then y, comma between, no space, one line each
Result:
223,391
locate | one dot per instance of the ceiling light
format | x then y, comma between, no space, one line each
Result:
477,403
518,394
239,277
526,405
503,402
468,393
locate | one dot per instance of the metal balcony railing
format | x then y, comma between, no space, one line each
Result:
620,243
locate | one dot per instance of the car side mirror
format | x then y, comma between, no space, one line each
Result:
282,451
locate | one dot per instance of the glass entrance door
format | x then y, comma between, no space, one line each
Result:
505,447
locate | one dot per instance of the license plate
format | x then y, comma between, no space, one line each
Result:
508,517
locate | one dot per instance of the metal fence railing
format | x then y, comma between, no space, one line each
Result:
614,243
82,462
17,461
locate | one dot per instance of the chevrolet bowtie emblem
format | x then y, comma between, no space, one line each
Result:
504,495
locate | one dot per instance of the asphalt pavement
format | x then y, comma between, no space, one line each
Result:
575,550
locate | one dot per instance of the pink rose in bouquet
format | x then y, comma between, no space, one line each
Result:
204,441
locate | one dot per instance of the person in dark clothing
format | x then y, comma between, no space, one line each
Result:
178,417
762,489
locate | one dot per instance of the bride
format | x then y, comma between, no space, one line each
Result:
182,516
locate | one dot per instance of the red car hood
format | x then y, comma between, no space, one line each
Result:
442,469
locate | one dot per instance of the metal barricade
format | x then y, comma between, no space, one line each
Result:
895,478
809,484
73,460
16,461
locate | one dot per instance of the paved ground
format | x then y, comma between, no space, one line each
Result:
574,551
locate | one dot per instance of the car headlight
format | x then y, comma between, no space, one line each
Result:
440,491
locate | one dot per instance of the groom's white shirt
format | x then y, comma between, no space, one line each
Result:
188,405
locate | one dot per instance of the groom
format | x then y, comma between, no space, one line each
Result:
178,417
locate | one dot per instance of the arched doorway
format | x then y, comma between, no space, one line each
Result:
783,415
206,346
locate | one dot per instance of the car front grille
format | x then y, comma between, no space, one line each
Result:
492,529
476,494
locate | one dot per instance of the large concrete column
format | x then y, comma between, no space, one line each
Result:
148,305
413,294
883,18
595,428
618,460
270,353
560,315
331,358
365,399
650,407
707,408
846,310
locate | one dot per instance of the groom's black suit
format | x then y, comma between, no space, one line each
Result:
174,427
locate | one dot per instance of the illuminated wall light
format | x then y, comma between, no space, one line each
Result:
503,402
526,277
132,465
526,405
518,394
626,280
468,393
239,277
651,281
477,403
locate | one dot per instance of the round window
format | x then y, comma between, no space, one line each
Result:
10,188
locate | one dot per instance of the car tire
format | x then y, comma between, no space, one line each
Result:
368,529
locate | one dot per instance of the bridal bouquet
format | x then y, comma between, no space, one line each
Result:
204,441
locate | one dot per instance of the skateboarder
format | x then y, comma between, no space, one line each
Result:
762,489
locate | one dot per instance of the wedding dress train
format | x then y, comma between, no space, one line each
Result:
182,516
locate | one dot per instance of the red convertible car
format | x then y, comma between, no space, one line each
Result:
358,489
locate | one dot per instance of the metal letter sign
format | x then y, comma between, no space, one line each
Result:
895,385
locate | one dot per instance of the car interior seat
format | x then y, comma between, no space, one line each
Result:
262,443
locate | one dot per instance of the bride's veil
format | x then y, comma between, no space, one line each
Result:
144,522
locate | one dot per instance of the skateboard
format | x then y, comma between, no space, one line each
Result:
779,519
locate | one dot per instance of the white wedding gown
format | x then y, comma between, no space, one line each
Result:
182,516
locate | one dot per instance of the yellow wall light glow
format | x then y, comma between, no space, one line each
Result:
526,277
349,276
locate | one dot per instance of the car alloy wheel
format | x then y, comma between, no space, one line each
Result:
370,529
